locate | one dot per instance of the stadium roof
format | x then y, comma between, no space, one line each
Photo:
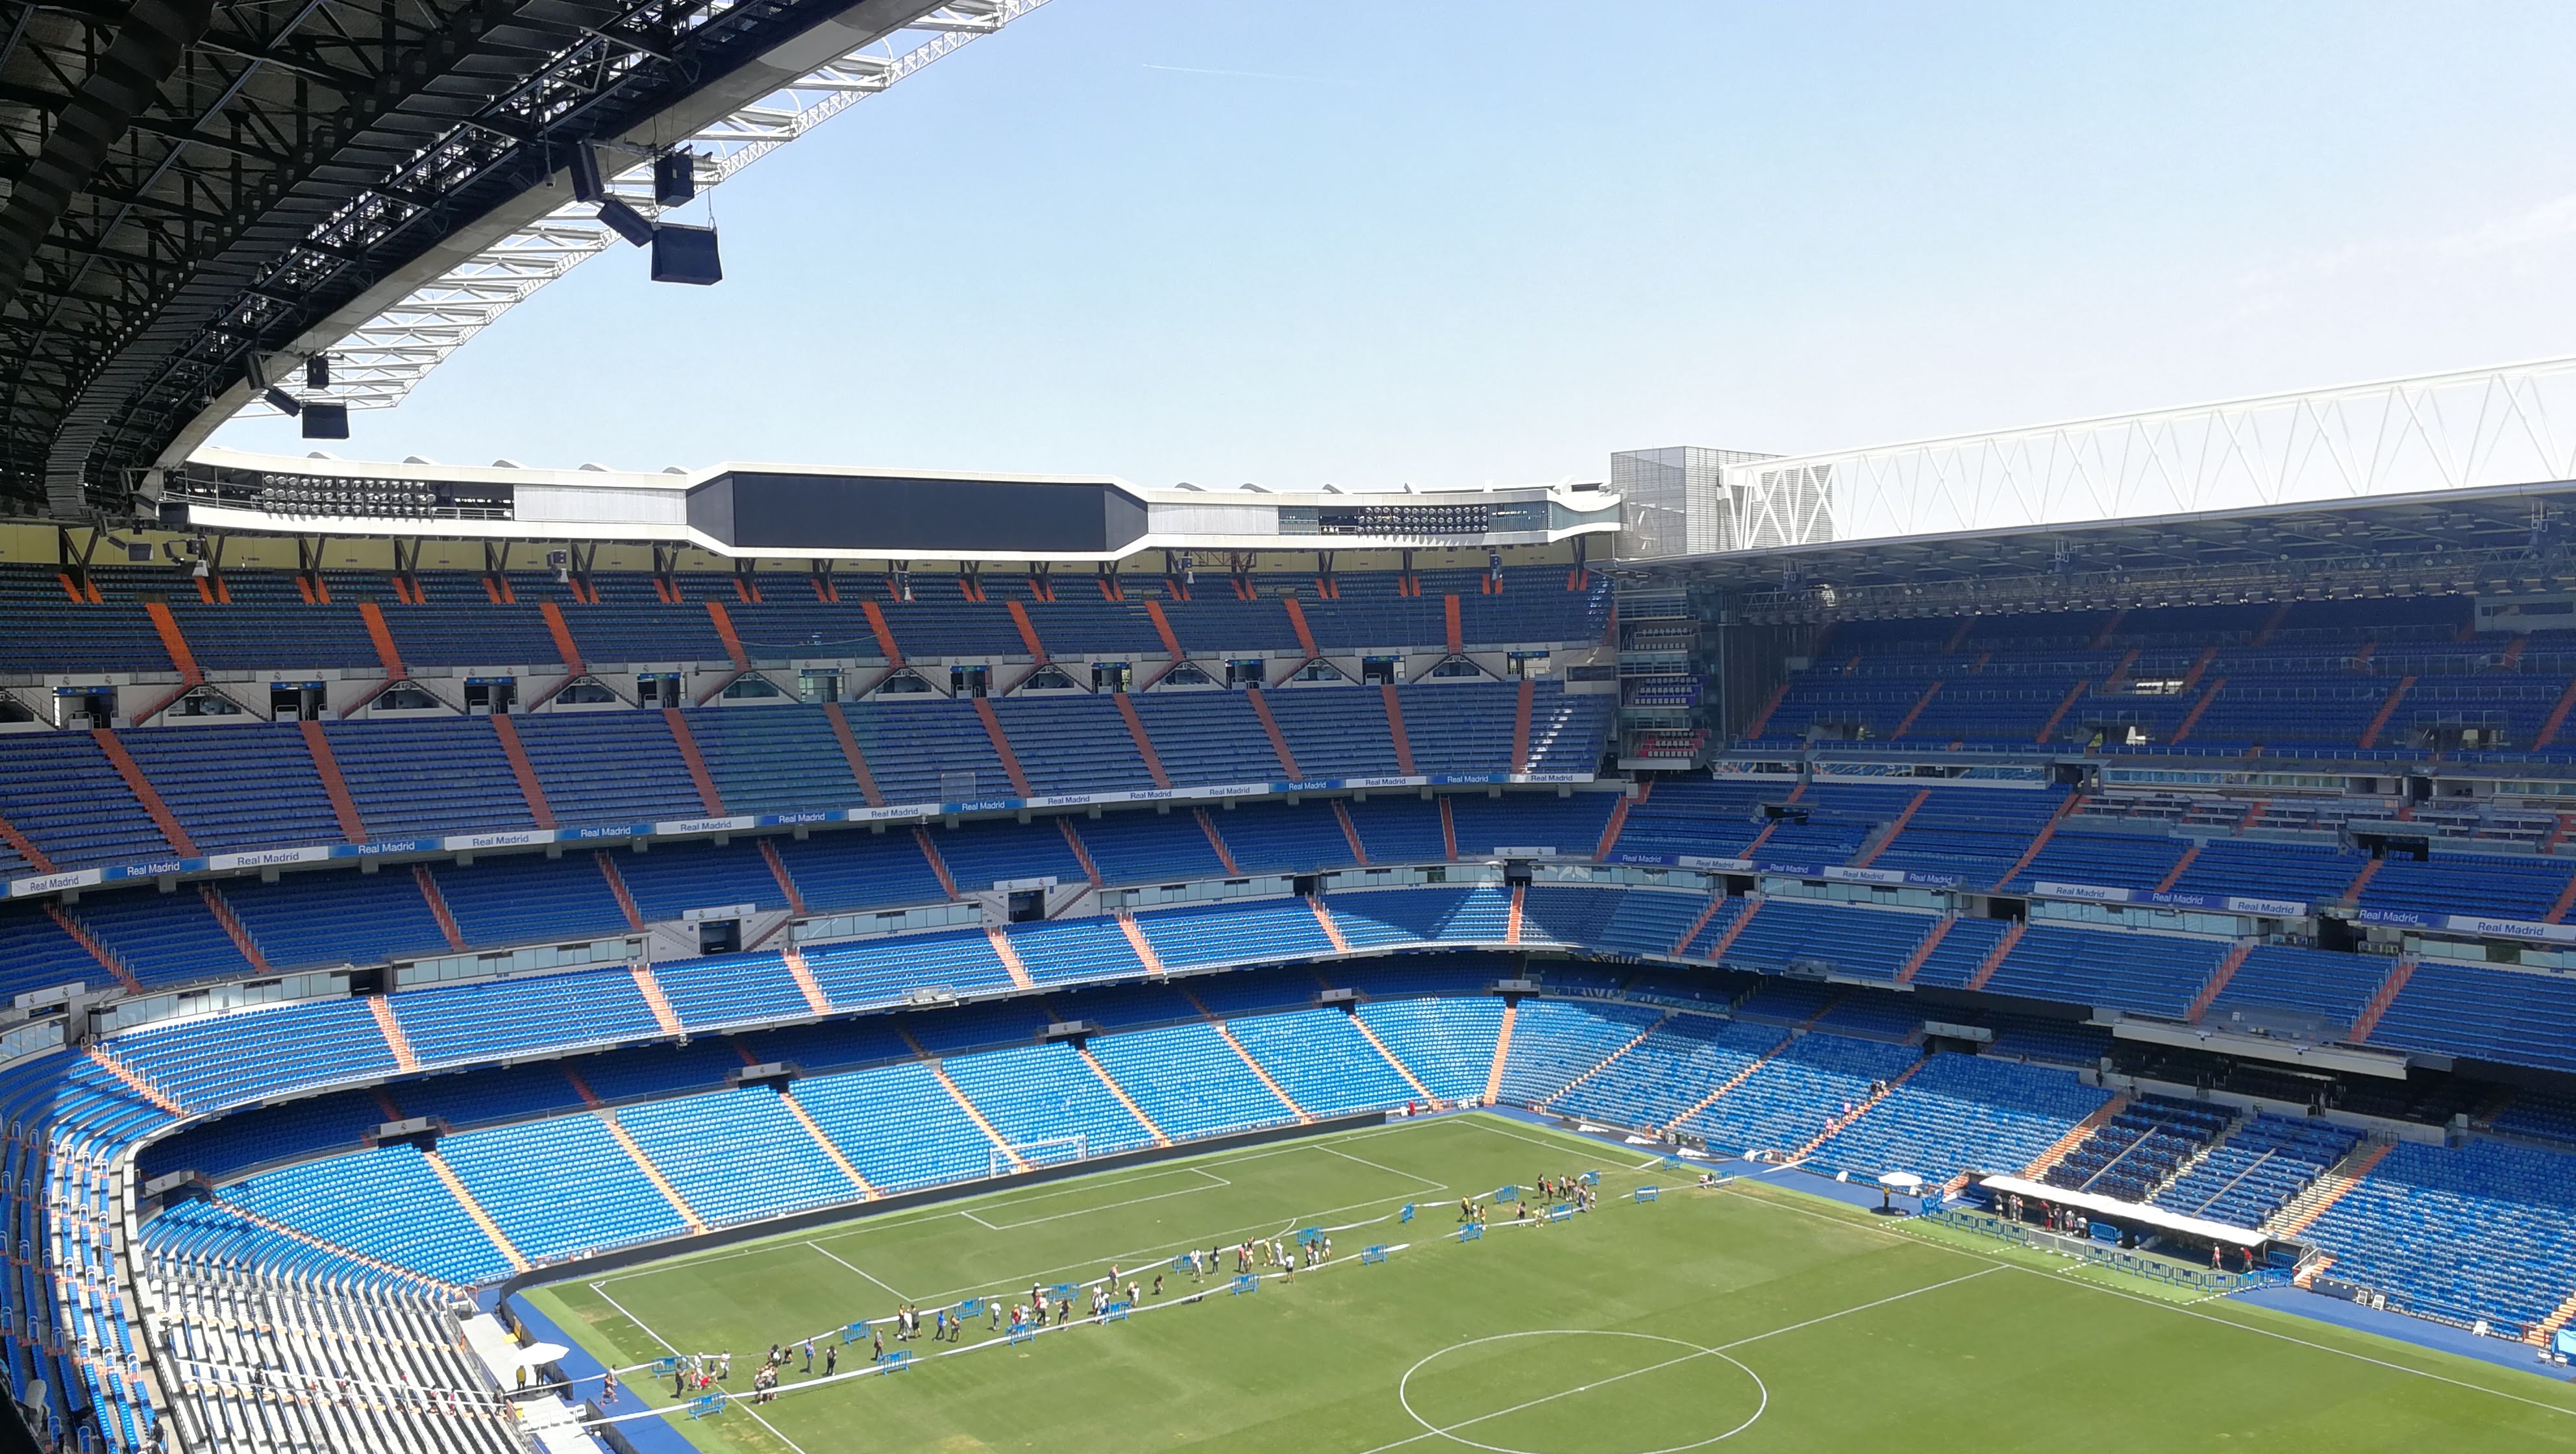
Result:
195,190
838,513
2503,538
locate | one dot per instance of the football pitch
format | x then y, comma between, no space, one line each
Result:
1748,1317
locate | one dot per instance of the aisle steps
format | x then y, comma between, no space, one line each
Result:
1255,1066
2337,1182
2076,1135
1110,1083
1502,1049
1606,1061
474,1211
395,1040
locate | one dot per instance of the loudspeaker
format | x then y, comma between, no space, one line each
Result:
587,184
317,371
625,221
685,255
675,177
325,421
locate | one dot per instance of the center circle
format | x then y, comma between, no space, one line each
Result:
1681,1352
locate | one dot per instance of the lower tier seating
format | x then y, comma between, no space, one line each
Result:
2133,1153
557,1158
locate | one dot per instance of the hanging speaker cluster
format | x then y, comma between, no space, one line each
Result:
318,418
681,254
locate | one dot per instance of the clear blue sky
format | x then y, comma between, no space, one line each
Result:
1448,243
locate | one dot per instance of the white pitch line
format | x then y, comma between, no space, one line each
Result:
2302,1342
1864,1307
861,1271
766,1424
1488,1125
1212,1183
666,1343
915,1216
630,1317
1921,1241
1446,1431
1371,1165
880,1370
1167,1248
951,1294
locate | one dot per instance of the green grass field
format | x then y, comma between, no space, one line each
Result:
1753,1315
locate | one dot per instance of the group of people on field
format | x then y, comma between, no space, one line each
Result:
1252,1254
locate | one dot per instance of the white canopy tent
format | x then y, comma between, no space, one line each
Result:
2137,1214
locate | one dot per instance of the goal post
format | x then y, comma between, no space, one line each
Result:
1044,1151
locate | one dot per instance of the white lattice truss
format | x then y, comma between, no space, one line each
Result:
380,361
2481,427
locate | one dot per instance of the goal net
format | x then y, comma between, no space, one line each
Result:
1045,1151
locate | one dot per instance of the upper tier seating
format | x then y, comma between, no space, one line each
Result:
2157,973
581,900
2279,978
60,791
231,787
235,787
2515,1016
610,767
2376,680
430,777
775,759
261,621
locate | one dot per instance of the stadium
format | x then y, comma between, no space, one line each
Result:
1954,942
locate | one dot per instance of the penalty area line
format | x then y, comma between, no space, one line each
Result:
1213,1182
861,1271
630,1317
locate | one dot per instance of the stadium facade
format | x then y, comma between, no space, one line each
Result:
540,830
423,881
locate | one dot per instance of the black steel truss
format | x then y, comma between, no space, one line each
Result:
287,157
